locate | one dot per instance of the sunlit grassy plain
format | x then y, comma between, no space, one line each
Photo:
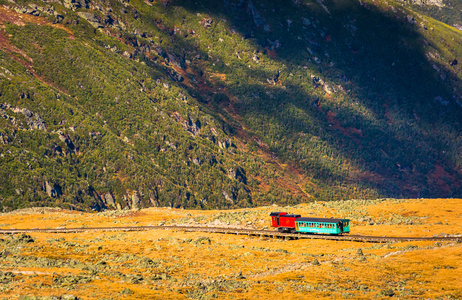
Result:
166,264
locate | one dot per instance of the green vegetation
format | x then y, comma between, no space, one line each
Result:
224,105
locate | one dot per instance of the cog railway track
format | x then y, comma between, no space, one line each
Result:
238,231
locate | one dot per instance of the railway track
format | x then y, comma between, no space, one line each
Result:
238,231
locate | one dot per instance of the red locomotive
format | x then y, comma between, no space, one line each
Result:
283,221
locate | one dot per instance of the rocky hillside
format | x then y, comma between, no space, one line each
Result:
200,104
447,11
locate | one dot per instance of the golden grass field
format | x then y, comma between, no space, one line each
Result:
165,264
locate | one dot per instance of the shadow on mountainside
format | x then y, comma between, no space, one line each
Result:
395,123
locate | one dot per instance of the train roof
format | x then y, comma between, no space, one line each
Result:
320,220
291,216
276,213
284,214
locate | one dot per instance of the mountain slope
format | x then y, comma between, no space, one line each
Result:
231,104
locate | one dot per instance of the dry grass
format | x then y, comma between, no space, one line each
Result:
164,264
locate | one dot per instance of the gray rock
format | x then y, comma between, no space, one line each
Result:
109,199
27,112
237,174
161,52
37,123
176,61
225,144
207,22
91,18
411,19
136,201
75,4
194,127
228,197
24,95
5,139
52,191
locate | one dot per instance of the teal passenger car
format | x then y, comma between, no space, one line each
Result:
322,225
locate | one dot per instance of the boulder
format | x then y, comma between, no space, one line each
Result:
237,174
197,161
66,139
225,144
136,201
109,199
176,61
231,198
194,127
75,4
91,18
52,191
161,52
207,22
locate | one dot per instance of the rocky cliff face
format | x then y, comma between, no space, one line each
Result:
127,104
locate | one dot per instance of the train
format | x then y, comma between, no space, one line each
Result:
292,223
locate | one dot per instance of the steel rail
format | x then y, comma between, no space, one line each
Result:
238,231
